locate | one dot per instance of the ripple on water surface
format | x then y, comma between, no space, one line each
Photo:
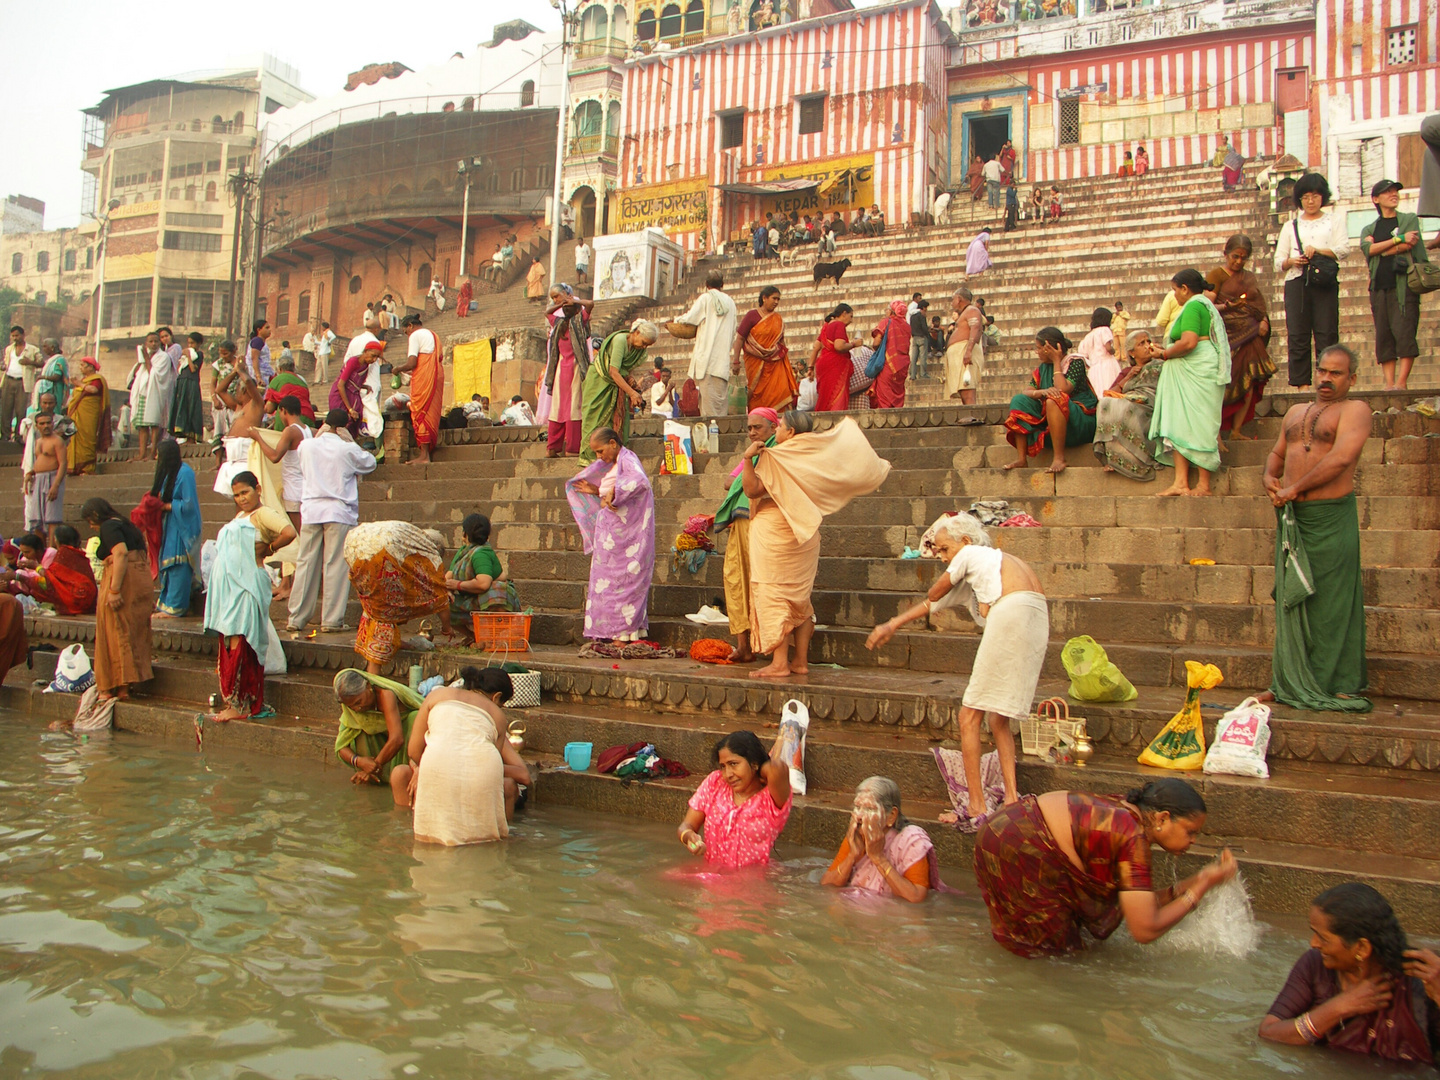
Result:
164,913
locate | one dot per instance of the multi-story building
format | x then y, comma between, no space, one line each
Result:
46,267
373,189
159,157
808,105
22,214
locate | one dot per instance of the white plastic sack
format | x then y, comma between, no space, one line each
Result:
207,561
1241,738
73,673
274,651
794,723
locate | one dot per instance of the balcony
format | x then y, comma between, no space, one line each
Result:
600,49
581,145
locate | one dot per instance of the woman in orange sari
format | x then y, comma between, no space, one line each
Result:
1247,324
89,409
888,390
975,177
427,387
760,338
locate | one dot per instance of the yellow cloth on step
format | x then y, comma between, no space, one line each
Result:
1181,743
471,368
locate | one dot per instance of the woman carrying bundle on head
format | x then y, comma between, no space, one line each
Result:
1053,865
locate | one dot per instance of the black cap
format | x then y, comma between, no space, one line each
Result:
1383,186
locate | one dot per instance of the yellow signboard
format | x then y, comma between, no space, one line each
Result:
135,210
845,184
678,207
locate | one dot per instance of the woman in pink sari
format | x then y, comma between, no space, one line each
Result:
888,391
566,351
615,508
882,852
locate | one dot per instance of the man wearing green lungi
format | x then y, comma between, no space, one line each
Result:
1319,657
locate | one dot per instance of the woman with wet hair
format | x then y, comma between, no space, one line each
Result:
741,807
1359,987
1053,865
882,852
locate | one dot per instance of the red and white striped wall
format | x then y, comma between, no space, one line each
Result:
1351,58
882,69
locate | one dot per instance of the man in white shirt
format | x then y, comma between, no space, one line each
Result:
582,260
437,293
809,390
660,404
715,315
992,173
324,346
22,361
329,507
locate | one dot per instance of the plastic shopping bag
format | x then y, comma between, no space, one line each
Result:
1241,739
679,450
794,723
1181,744
1092,676
73,673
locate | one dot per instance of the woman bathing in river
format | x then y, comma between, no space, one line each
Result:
742,806
882,852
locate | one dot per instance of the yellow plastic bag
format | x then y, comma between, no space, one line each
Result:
1092,676
1181,744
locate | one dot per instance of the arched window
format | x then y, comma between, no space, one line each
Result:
282,311
492,183
239,122
588,121
423,276
612,127
174,193
212,193
434,185
527,93
70,259
517,178
695,17
302,313
190,192
645,25
262,308
670,21
594,23
42,262
217,124
17,263
620,25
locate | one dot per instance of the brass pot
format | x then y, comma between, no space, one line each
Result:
1083,750
515,732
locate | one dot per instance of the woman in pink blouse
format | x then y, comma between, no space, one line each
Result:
742,806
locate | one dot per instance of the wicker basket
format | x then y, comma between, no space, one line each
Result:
1048,726
497,630
683,331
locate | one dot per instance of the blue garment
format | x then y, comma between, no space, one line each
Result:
238,599
54,378
182,530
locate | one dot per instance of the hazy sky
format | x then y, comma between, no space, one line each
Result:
64,54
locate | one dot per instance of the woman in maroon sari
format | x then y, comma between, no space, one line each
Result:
888,390
1241,302
1359,988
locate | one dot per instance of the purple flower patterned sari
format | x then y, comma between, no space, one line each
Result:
621,544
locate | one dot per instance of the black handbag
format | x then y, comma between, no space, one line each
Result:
1322,272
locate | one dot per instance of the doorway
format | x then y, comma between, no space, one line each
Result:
585,213
985,134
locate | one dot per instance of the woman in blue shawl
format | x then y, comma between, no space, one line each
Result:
180,503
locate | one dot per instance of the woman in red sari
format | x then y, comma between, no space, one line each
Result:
975,177
1051,866
1241,302
760,339
888,390
832,364
69,577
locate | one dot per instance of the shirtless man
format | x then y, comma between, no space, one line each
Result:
962,348
1319,658
45,482
286,454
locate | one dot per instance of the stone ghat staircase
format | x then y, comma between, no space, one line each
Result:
1350,796
1119,239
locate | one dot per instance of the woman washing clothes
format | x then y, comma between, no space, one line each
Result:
1359,987
376,717
1066,861
882,852
741,808
397,573
614,506
1003,596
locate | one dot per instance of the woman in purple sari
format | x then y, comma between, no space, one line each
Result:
615,509
345,393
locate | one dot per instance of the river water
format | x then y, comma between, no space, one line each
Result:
169,914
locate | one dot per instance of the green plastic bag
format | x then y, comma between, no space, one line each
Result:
1092,676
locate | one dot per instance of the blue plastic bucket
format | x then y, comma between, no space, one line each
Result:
577,755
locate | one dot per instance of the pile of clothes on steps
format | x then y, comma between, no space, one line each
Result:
638,761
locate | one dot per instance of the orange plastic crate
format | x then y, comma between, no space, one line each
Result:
502,630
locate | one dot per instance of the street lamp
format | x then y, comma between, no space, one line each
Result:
466,169
565,19
100,238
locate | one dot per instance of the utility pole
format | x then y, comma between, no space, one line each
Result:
465,171
239,185
560,132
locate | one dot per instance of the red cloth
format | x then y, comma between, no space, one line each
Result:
307,409
72,581
242,676
832,370
13,643
888,390
149,518
462,303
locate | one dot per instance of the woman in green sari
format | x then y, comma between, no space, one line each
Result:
476,580
376,715
1191,392
1059,407
608,393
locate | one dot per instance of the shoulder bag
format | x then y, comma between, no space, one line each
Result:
1321,273
876,364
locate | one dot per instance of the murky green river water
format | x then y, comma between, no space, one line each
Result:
166,914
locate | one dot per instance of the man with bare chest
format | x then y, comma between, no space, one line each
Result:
1319,657
45,482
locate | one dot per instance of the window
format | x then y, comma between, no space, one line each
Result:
17,263
423,277
262,308
90,258
695,17
191,302
545,176
189,192
191,241
612,127
812,114
212,166
42,262
527,93
70,259
282,311
732,130
195,221
670,21
212,193
589,121
594,23
42,297
492,183
127,303
645,26
1069,121
517,178
302,309
284,279
1399,46
355,284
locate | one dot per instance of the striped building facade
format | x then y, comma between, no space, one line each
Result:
855,101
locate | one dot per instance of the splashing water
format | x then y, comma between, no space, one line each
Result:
1223,924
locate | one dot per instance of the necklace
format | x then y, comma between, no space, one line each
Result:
1308,426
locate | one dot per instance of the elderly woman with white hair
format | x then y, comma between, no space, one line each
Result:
1122,418
1004,598
882,852
612,386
